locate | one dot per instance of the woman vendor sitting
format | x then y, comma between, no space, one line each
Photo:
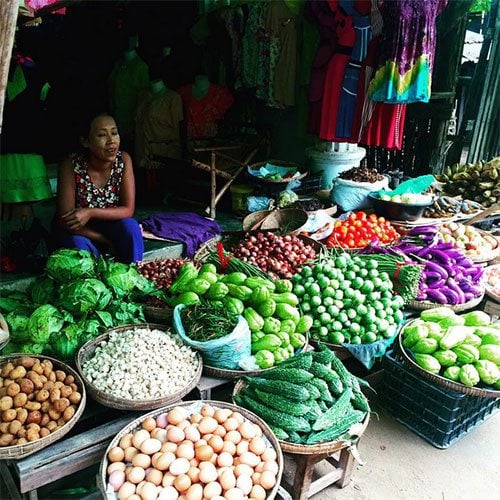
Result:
96,196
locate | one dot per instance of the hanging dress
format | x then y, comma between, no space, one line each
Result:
407,51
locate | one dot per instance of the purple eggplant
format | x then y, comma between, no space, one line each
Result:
436,284
454,286
440,256
434,267
436,296
451,295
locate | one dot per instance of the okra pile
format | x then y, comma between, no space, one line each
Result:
464,348
309,399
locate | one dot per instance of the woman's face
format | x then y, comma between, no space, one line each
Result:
103,140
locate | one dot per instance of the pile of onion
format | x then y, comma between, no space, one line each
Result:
279,256
162,272
215,453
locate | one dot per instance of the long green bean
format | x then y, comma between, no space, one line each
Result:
204,322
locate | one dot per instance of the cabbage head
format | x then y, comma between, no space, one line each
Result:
43,290
18,324
66,342
43,322
68,264
124,279
12,300
85,295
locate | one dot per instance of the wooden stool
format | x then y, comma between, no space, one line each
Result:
300,461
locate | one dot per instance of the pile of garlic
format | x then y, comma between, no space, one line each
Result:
141,363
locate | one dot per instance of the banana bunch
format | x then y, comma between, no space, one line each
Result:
446,206
479,182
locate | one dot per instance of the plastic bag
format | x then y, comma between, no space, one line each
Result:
256,203
352,195
225,352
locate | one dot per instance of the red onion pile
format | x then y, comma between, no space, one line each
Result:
279,256
161,271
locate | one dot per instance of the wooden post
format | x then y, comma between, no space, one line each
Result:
213,176
8,18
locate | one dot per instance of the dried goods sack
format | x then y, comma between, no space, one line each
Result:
225,352
351,195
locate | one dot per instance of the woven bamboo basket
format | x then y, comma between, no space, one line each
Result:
232,238
443,381
487,256
87,350
314,449
487,288
158,315
4,334
284,221
421,305
193,406
16,452
224,373
280,163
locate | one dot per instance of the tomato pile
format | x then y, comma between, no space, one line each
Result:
360,229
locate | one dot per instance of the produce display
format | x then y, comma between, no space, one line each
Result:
407,198
349,299
492,279
476,181
141,363
269,307
361,174
358,230
447,206
475,244
279,256
162,272
204,322
35,400
449,277
310,399
463,348
210,453
77,299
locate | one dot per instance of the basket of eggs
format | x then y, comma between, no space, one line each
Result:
195,449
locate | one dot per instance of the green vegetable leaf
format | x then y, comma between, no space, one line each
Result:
69,264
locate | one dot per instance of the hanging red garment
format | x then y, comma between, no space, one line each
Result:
375,123
346,38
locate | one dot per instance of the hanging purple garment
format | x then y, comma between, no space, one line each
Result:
186,227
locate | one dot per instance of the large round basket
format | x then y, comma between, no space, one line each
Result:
23,450
283,221
487,256
159,315
443,381
86,352
488,290
421,305
328,447
192,406
4,332
224,373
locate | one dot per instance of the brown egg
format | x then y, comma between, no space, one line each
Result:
243,470
175,435
208,474
136,475
204,452
149,491
230,447
195,418
231,424
115,466
168,479
272,466
216,442
139,437
176,415
182,482
242,447
149,424
267,479
249,458
222,414
185,450
154,476
150,446
126,441
258,446
258,492
168,446
234,494
192,433
194,474
220,431
207,425
268,454
247,430
207,411
238,416
164,461
212,489
195,492
225,459
116,454
127,489
233,436
141,460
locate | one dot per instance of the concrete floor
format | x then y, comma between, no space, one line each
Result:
399,465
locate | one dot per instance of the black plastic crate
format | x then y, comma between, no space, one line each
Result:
435,413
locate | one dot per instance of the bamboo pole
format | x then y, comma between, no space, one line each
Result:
8,18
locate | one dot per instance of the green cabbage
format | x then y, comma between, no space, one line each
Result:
43,290
67,342
123,279
43,322
18,324
12,300
85,295
68,264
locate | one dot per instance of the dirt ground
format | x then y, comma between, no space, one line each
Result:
399,465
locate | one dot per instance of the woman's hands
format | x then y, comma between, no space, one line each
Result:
76,218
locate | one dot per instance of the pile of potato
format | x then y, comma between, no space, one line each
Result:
214,453
35,400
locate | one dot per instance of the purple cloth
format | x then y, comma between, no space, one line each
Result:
188,228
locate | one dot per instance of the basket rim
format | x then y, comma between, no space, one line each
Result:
23,450
280,163
493,253
133,404
440,380
421,305
311,449
247,414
